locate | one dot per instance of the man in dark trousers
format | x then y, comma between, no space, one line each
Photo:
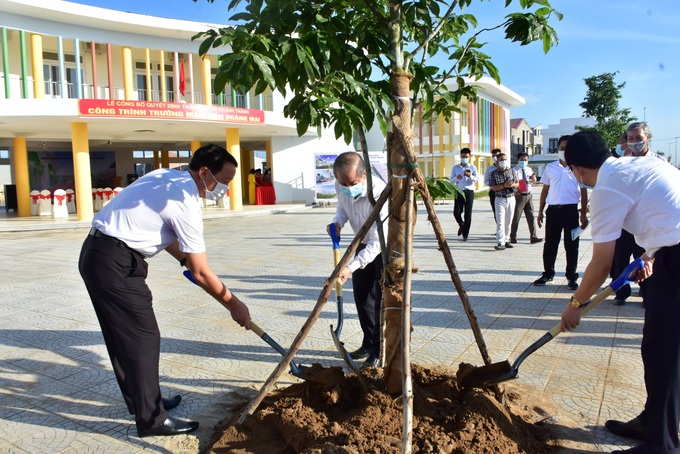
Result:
464,175
524,202
642,196
562,195
160,211
366,266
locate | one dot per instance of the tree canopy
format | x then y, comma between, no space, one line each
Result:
602,103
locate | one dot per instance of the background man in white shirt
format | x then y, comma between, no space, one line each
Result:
159,211
638,135
562,194
464,175
642,196
523,199
366,267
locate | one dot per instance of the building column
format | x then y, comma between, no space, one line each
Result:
195,145
165,158
82,172
156,160
37,66
128,83
20,155
207,79
235,188
164,90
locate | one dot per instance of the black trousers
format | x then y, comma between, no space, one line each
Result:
463,206
661,353
115,279
492,199
523,204
559,221
368,299
625,247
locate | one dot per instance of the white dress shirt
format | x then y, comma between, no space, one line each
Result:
356,211
161,207
640,195
465,182
528,172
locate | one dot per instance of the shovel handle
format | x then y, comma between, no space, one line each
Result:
616,284
336,255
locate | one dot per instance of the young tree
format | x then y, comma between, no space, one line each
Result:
602,103
349,63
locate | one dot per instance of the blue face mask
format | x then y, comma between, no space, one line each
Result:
464,161
352,191
522,164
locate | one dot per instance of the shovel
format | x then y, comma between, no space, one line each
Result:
491,374
338,293
297,370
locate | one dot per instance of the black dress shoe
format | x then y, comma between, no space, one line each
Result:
360,353
169,404
171,426
370,362
631,429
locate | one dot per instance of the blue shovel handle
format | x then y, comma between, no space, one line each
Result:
624,279
334,236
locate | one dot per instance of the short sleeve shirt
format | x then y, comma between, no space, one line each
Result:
161,207
499,176
564,189
640,195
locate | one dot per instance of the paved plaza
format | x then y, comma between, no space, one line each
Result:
58,392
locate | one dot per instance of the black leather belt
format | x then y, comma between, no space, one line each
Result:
120,243
505,196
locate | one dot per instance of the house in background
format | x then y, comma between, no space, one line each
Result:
551,137
524,138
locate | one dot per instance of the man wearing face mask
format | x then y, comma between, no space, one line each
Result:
643,196
366,266
523,199
638,135
492,195
159,211
464,175
503,182
561,193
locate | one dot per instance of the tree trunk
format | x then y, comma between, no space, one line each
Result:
401,159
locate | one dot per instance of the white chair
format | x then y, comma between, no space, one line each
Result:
116,191
107,195
98,198
94,200
45,204
35,201
59,209
70,201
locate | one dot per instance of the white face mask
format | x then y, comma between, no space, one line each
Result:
637,147
560,154
502,164
218,193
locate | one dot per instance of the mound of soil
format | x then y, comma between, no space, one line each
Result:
355,415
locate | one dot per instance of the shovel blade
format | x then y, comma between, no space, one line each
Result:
485,376
343,352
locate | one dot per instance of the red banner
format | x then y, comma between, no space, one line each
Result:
116,108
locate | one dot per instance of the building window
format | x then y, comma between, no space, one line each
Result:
553,144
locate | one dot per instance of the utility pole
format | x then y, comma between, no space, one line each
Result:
644,114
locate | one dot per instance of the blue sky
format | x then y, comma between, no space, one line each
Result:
638,38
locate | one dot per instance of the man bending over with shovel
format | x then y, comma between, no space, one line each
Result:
641,196
160,211
366,267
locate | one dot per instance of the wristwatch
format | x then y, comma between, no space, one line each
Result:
577,304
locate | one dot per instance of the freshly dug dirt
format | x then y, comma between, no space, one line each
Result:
351,417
